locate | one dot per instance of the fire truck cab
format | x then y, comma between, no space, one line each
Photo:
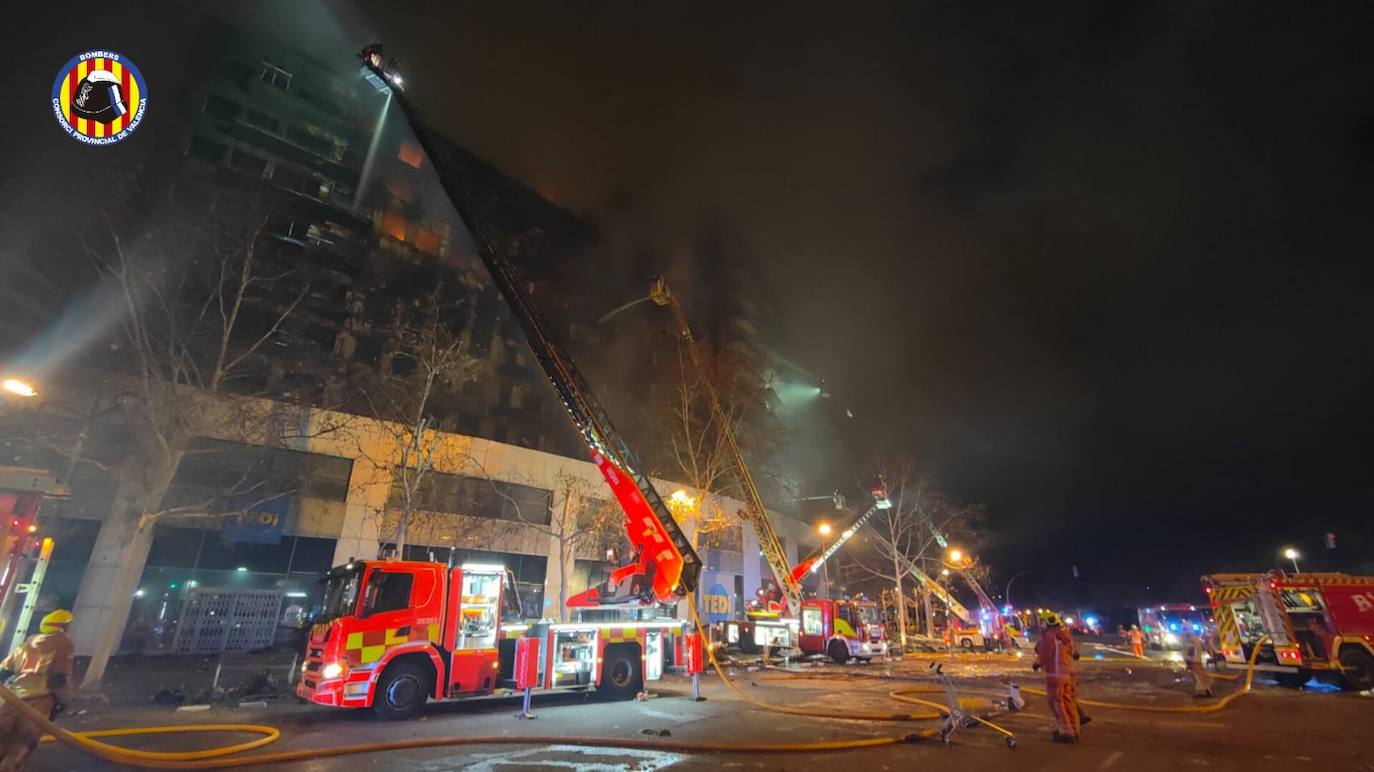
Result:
842,629
1320,623
390,635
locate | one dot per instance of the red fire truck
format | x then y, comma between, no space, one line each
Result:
1318,624
842,629
393,634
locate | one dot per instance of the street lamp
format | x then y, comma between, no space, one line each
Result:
19,388
956,556
1292,555
825,530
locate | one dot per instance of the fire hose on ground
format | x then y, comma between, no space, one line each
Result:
217,757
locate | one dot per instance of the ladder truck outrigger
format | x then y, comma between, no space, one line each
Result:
393,634
839,628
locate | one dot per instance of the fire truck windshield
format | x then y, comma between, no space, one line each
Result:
870,615
340,593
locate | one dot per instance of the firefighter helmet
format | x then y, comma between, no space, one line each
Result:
99,97
1050,618
55,621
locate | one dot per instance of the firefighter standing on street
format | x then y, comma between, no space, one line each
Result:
1066,638
1055,655
40,673
1137,639
1195,656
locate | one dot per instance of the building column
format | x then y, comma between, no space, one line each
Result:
369,486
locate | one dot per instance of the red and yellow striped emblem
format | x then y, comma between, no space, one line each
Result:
99,97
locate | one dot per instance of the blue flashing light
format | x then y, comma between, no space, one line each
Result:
1173,626
1092,621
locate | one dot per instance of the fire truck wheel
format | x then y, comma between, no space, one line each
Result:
966,644
1359,669
838,652
401,691
620,676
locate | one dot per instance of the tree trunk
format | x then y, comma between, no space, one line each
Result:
117,561
901,599
401,527
930,617
565,566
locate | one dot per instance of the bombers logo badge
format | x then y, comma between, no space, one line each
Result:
99,97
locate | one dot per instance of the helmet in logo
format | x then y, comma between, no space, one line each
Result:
99,97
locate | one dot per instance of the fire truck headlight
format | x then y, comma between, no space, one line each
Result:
332,670
1170,639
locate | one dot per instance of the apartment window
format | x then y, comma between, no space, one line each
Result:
394,225
411,154
218,468
275,76
478,497
401,190
427,241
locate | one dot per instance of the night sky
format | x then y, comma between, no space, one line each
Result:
1102,269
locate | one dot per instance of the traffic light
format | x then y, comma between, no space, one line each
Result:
1331,540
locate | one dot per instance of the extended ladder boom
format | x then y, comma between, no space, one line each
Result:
955,607
664,559
754,510
813,564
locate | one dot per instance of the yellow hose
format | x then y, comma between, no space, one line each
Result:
270,734
212,758
939,710
1211,707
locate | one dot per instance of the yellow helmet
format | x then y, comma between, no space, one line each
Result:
55,620
1050,618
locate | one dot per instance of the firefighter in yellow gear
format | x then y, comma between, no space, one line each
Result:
39,671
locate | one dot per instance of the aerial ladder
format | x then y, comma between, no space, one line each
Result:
754,511
988,608
788,578
956,609
665,567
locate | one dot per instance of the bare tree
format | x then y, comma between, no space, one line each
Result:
693,448
425,366
582,525
902,537
195,303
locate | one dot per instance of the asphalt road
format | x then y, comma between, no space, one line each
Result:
1270,727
